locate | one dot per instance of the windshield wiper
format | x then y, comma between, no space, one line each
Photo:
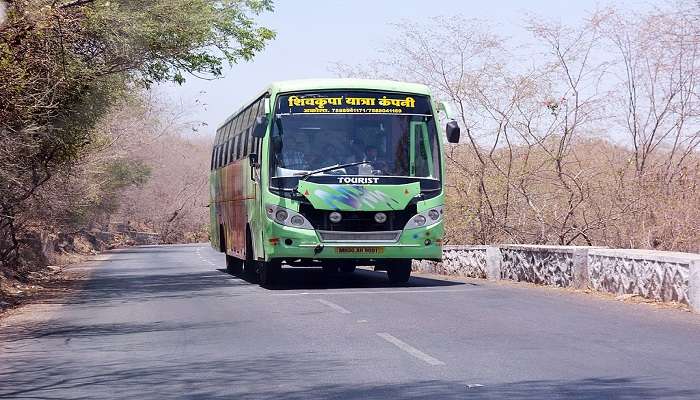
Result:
331,168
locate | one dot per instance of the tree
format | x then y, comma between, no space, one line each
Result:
588,134
63,64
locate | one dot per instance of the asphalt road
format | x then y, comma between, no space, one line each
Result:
169,322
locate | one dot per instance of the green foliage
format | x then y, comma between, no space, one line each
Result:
64,63
163,40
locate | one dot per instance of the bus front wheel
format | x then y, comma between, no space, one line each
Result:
268,272
348,267
250,265
233,265
399,271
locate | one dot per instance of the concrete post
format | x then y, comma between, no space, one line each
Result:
694,285
580,269
493,263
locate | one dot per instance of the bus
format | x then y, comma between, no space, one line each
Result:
334,173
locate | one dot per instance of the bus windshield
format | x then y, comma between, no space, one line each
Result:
383,141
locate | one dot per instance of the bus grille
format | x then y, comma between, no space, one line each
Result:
357,221
338,236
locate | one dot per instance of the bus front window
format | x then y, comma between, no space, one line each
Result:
387,145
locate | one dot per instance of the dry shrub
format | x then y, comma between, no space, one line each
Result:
617,208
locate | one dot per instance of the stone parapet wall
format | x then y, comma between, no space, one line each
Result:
658,275
545,265
652,274
467,261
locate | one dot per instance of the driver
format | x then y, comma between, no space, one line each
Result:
372,156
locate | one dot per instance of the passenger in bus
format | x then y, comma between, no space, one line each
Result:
292,155
322,156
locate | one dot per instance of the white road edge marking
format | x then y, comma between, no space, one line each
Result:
334,306
409,349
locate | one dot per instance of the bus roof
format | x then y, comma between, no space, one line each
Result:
335,83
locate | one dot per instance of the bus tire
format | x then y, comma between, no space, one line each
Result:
347,268
399,271
222,239
250,265
268,272
330,268
233,265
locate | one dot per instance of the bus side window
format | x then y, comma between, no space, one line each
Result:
236,125
228,131
222,154
258,110
215,161
246,138
232,150
229,145
239,148
252,115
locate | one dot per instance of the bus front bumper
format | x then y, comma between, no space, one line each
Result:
282,242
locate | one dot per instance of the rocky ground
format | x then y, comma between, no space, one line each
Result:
49,282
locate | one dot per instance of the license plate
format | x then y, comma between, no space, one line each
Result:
359,250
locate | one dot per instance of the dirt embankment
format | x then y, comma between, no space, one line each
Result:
43,273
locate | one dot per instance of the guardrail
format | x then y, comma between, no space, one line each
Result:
657,275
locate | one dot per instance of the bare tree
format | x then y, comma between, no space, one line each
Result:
544,160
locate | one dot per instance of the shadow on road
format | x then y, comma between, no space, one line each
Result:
277,377
297,278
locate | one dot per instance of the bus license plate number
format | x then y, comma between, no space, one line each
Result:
359,250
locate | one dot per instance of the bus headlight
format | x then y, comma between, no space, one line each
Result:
287,217
426,218
281,215
434,214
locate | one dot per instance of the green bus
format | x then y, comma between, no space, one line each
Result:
333,173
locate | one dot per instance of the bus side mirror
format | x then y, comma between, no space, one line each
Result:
253,159
452,131
260,127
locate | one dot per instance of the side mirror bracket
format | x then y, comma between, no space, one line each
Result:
254,165
446,109
452,128
253,160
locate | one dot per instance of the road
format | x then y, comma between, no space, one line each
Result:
169,322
